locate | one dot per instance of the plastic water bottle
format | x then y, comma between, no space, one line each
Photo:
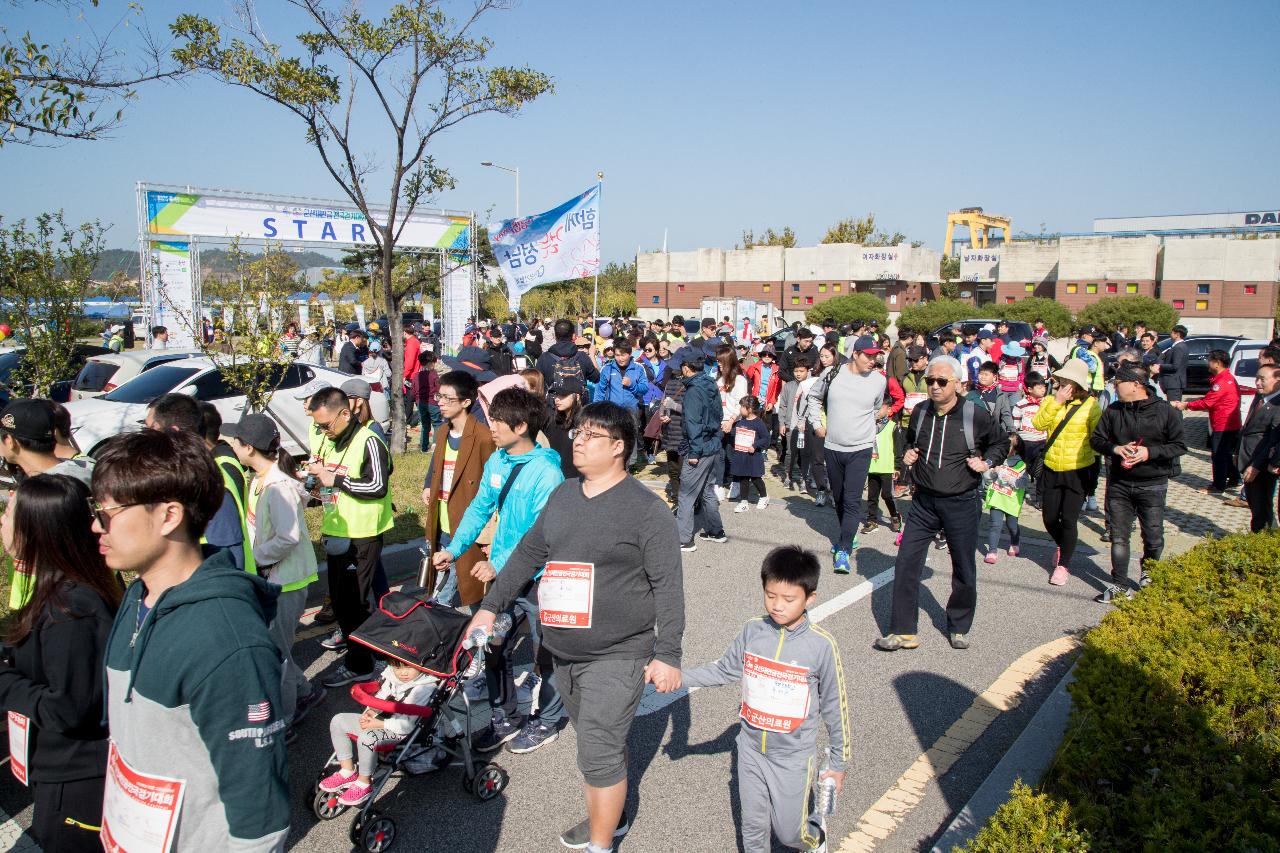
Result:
826,793
502,626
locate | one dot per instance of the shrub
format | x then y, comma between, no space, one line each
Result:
1057,318
926,316
1111,311
846,309
1173,742
1029,823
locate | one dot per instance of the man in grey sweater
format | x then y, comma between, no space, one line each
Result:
843,409
605,645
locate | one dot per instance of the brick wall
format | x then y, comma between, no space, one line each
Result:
1075,295
1223,299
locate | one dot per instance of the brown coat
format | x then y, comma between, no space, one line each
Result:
473,451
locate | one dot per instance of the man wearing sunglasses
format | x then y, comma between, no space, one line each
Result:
950,443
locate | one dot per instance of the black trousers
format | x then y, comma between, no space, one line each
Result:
848,475
956,516
54,803
351,576
1258,492
1062,494
880,487
1222,456
1032,453
1126,501
745,484
673,473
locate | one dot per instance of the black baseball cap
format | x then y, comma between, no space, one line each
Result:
568,386
27,419
257,431
915,353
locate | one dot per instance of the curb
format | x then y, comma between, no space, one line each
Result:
1027,759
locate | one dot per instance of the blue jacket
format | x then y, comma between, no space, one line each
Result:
520,510
610,386
702,416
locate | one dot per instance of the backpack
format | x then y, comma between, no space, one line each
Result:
566,368
967,408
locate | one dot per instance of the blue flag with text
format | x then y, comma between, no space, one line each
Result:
559,244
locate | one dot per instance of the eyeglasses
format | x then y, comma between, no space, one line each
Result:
447,398
101,514
650,350
938,381
325,427
586,435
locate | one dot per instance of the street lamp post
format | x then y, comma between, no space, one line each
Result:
511,171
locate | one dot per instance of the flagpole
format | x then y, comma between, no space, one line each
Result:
595,297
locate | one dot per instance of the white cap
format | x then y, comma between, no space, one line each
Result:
315,386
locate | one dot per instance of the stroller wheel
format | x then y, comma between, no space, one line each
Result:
377,832
490,782
325,804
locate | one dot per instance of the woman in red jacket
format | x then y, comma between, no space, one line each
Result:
1223,405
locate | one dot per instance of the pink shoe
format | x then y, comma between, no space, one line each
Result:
990,558
898,540
1059,576
355,794
1013,550
338,781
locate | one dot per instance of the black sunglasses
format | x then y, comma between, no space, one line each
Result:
937,381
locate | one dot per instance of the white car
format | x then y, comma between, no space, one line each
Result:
1244,367
122,410
105,373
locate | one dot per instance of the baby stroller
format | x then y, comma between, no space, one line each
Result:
411,628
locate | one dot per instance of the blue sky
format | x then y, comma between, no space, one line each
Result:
711,117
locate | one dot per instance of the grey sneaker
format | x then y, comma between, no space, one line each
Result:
1144,581
1113,592
893,642
534,735
499,732
578,837
959,641
342,676
335,642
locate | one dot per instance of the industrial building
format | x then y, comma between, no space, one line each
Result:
794,280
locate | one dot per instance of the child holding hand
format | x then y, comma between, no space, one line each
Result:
357,758
746,465
791,674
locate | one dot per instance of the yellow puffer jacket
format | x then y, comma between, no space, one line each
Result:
1071,450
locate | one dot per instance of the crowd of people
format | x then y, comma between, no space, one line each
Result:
534,432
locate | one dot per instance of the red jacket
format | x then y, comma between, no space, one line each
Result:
774,388
896,396
1222,403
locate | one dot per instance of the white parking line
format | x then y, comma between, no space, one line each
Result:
653,701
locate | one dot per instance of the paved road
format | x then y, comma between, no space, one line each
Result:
681,752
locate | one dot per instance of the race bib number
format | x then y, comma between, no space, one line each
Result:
1009,372
446,480
1000,487
566,593
18,729
139,811
775,696
744,439
913,400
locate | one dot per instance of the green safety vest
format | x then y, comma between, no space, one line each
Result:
882,454
288,587
1001,497
225,468
1097,379
344,515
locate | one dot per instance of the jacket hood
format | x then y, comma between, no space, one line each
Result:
1137,406
563,349
690,381
218,577
538,454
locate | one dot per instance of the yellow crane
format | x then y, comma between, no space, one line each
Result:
979,224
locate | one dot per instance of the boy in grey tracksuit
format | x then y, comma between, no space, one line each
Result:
791,674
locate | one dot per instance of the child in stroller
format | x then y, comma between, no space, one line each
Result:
357,738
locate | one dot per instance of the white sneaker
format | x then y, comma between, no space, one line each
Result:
721,492
762,503
742,506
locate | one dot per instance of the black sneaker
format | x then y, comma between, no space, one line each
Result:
325,614
713,537
867,527
499,732
1144,581
578,837
689,546
1111,593
940,541
306,703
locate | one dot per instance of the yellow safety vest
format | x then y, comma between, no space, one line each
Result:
225,468
345,515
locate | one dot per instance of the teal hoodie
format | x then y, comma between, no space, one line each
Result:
520,509
193,692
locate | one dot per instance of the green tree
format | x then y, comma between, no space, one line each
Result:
924,317
862,230
77,89
44,278
1057,318
424,73
948,277
1109,312
846,309
769,237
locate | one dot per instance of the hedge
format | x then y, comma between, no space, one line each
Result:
1110,311
846,309
1174,738
1057,318
924,317
1030,822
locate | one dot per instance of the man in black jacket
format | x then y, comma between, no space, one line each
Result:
1259,452
1145,434
1173,365
950,444
563,354
803,345
353,352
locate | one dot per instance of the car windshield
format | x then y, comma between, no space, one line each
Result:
145,387
1247,368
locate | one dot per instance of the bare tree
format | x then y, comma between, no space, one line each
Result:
423,72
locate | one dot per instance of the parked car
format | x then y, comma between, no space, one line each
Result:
104,373
1198,347
1244,367
61,391
1018,330
122,410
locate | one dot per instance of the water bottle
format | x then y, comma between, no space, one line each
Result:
502,626
826,794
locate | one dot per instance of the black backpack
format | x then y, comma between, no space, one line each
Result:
565,368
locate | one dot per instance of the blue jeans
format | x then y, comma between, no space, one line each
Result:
429,418
447,593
